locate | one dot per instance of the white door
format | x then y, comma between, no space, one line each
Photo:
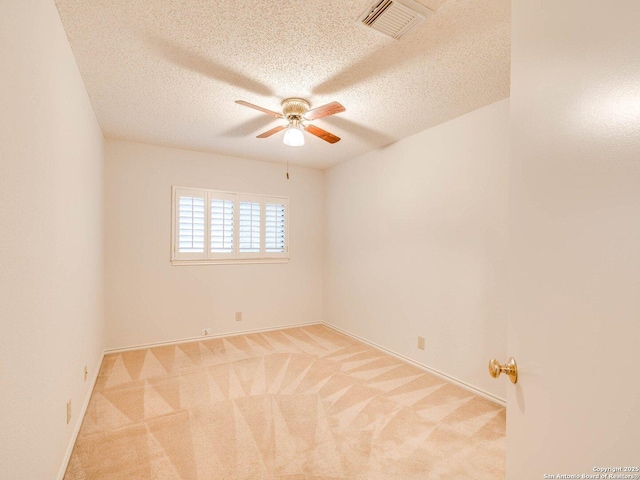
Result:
575,239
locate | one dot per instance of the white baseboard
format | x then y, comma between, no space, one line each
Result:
201,338
80,419
449,378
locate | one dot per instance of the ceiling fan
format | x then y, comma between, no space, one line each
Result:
297,114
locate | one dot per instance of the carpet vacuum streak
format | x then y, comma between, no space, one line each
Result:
298,403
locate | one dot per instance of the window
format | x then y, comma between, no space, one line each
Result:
226,227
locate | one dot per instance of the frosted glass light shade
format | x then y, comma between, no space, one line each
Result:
293,137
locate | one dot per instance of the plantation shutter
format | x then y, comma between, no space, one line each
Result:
276,227
212,226
250,226
190,221
222,225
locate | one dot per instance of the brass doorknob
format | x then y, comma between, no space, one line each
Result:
510,369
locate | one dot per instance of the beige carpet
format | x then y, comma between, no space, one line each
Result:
301,403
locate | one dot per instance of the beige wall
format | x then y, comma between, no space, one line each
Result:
51,296
415,239
574,312
149,300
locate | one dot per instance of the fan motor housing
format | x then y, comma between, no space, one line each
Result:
295,108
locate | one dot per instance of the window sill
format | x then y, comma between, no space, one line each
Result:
230,261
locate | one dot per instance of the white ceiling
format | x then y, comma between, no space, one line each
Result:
167,72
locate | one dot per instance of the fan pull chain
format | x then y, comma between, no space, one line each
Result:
287,169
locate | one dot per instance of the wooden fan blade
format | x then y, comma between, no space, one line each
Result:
325,110
272,131
256,107
323,134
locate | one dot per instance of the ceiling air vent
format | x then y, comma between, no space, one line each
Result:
394,18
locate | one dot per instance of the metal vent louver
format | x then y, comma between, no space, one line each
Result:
394,18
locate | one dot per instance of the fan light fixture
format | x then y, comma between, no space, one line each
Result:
298,116
293,137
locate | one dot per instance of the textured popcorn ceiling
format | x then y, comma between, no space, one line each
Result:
167,72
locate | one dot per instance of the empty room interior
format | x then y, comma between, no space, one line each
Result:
319,239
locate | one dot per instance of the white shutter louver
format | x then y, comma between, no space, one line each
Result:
222,225
191,231
275,228
249,220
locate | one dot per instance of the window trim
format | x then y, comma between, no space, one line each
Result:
236,257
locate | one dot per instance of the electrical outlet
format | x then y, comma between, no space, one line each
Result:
206,332
86,373
421,343
238,316
68,412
